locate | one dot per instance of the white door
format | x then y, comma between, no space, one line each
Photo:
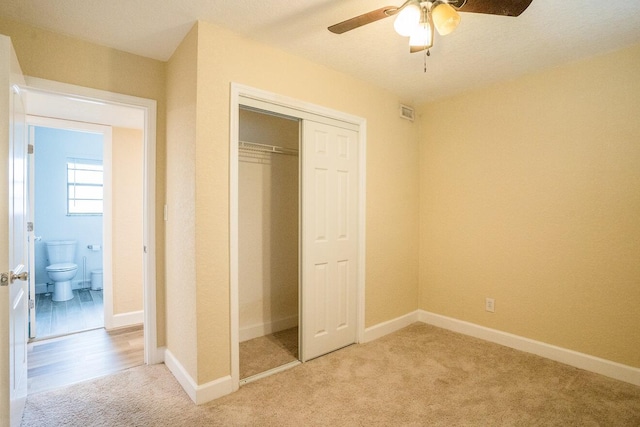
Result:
13,253
329,238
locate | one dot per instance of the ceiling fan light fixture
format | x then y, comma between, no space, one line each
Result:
445,18
408,20
422,36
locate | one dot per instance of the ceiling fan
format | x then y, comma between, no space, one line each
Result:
417,19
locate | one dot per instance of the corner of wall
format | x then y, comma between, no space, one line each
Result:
199,394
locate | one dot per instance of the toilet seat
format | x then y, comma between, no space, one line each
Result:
65,266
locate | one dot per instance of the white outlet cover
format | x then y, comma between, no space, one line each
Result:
490,305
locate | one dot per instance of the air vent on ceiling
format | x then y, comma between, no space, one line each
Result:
407,112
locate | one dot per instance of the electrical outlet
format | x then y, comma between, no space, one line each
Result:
490,305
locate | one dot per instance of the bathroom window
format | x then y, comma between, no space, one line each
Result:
84,187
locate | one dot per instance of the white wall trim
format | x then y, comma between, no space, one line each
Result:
198,393
124,320
107,230
390,326
159,354
587,362
362,229
266,328
234,303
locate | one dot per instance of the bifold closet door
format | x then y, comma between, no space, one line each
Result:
329,238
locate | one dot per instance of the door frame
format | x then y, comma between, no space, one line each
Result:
152,354
275,103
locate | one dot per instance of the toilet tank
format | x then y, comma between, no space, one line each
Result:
61,251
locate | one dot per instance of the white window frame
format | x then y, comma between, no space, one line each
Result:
74,164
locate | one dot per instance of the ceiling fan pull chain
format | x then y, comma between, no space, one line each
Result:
425,61
427,52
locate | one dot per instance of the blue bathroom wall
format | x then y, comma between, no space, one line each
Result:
53,147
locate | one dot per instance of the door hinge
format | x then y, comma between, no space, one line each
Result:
30,148
32,304
29,226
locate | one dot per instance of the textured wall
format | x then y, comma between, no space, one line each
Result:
530,194
181,274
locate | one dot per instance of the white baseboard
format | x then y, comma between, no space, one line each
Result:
198,393
126,319
587,362
385,328
157,356
262,329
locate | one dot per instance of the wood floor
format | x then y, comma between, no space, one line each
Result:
84,311
65,360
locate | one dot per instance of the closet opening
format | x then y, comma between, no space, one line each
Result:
268,241
297,220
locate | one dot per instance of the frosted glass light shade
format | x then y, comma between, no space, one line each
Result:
407,20
422,37
445,18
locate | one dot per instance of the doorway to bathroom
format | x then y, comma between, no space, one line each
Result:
66,183
48,99
118,114
86,182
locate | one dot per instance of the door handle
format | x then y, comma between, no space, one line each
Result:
8,278
22,276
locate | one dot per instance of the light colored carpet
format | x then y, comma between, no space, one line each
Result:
270,351
420,375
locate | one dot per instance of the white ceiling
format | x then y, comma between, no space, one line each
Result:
482,50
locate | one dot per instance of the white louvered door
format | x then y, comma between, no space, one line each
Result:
329,238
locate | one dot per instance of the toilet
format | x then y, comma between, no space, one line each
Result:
61,269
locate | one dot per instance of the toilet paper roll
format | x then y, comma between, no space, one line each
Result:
94,248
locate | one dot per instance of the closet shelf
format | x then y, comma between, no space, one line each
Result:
245,146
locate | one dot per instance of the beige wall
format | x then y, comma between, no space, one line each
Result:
52,56
182,275
530,194
267,226
127,260
392,174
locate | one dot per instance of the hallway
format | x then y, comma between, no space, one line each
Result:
70,359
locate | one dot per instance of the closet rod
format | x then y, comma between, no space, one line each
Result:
264,148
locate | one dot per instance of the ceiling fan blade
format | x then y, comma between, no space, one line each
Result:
415,49
496,7
364,19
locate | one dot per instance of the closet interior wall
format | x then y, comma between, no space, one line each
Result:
268,219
